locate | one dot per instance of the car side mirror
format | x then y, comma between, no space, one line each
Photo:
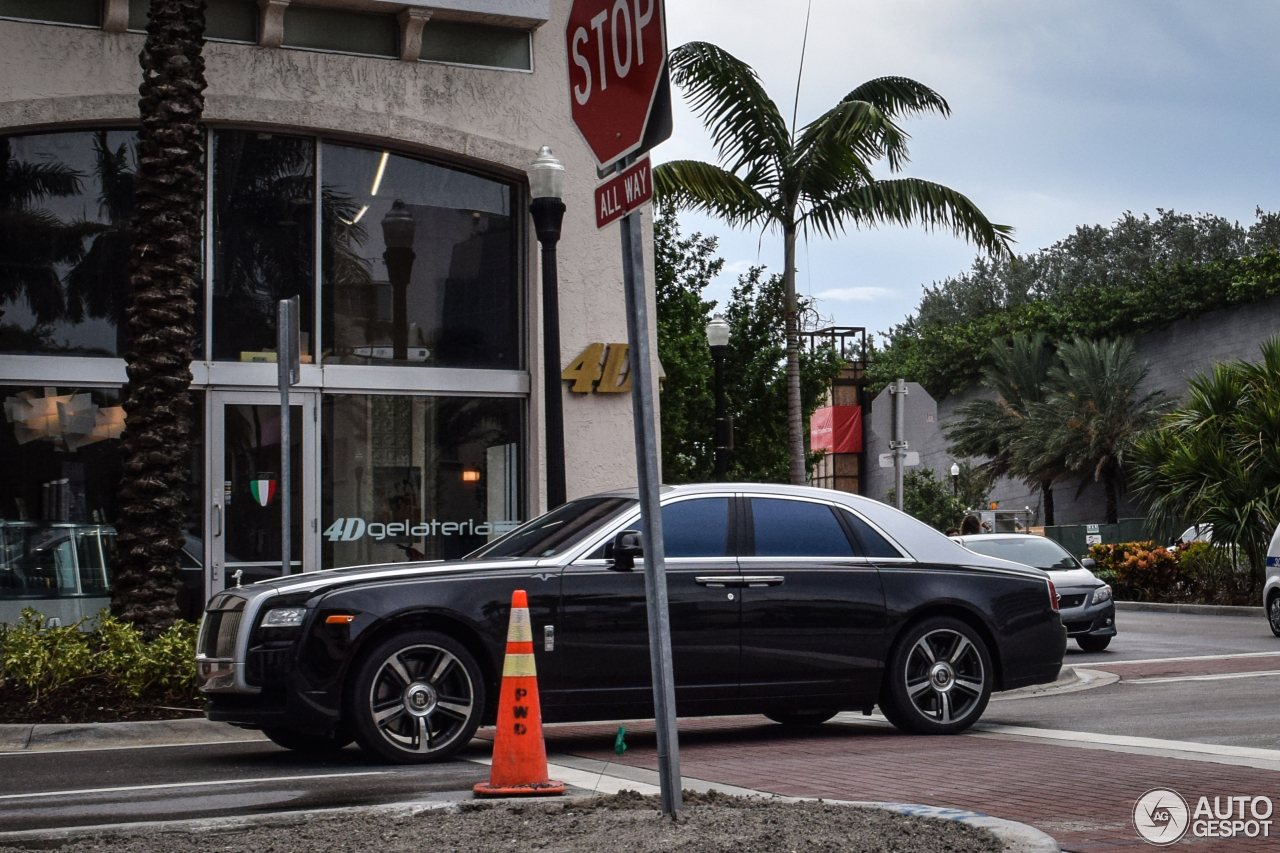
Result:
1089,563
623,550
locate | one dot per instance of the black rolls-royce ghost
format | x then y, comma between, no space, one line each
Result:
792,602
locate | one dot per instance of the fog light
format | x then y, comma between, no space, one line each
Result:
1108,620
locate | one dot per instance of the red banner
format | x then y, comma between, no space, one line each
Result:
836,429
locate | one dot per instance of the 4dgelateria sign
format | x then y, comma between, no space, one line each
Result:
617,58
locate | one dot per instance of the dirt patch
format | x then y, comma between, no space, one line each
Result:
92,701
624,823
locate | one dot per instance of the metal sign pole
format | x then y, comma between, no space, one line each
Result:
899,443
648,476
287,359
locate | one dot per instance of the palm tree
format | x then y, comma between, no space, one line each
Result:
812,179
1092,416
1018,374
1216,459
164,274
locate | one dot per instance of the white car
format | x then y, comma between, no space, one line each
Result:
1271,590
1088,610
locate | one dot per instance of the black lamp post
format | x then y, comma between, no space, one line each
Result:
955,479
546,188
397,234
718,340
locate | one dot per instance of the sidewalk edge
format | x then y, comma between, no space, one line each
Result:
1196,609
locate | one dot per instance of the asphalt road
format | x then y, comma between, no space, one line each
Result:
93,787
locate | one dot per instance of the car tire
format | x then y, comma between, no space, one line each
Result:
418,698
800,719
1092,644
939,678
305,743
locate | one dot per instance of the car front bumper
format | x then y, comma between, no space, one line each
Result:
1097,620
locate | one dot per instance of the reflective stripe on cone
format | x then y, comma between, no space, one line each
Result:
519,754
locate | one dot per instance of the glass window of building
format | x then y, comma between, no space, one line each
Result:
419,264
66,200
414,478
263,247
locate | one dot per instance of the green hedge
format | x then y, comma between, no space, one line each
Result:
946,359
43,659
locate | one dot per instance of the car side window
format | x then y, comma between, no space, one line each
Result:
787,528
873,544
696,528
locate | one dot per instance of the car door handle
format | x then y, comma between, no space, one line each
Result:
718,581
763,580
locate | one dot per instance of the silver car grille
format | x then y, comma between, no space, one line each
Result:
218,633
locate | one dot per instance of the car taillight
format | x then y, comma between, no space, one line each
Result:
1053,596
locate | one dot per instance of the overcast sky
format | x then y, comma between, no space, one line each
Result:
1063,113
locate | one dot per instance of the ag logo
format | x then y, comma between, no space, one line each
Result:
1161,816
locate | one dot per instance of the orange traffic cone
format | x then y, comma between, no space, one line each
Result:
519,755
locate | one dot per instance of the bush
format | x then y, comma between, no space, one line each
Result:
1216,574
41,659
1142,571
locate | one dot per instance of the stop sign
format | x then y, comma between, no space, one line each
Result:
617,50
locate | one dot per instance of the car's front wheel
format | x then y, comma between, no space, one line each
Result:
418,698
939,679
1092,644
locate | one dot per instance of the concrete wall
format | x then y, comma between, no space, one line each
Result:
1176,354
55,77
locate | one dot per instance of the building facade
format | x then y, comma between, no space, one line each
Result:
366,156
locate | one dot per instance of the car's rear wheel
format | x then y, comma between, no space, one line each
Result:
1273,614
940,678
309,744
800,719
1092,644
418,698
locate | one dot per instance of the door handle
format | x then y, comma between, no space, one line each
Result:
763,580
217,511
718,581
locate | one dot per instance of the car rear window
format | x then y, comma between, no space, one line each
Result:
1032,551
873,544
787,528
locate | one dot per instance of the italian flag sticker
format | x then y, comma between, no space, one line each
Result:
263,491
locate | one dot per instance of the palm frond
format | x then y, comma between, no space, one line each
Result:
834,150
745,124
910,201
694,185
899,97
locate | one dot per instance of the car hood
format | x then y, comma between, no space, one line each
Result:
1074,579
312,582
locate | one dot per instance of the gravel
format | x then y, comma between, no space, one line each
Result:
623,823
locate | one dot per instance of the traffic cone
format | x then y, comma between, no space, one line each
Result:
519,766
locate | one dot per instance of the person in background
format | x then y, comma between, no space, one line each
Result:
970,526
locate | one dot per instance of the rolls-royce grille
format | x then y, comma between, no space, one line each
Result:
221,629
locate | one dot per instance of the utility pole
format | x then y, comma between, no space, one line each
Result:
898,444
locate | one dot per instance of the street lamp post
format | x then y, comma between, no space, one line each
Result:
955,479
397,234
546,189
718,340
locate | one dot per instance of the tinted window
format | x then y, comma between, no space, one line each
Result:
797,529
873,544
696,528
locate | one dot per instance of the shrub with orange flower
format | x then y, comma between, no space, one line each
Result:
1142,571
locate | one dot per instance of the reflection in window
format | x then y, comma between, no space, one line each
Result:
65,204
696,528
419,264
413,478
263,225
786,528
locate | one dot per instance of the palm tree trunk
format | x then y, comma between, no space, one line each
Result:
1046,488
795,411
163,279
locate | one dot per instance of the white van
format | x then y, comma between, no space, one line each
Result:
1271,590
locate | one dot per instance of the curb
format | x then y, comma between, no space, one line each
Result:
73,736
1016,837
1198,609
1072,679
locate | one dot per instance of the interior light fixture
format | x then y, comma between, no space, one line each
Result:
377,179
470,475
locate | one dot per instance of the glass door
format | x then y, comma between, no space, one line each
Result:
245,522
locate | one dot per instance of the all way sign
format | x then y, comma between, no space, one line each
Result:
624,192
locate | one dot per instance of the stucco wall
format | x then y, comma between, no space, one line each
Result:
53,76
1176,354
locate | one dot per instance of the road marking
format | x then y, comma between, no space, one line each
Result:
1219,677
1107,663
1102,741
191,785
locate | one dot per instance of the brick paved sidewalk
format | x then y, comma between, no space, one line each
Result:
1082,797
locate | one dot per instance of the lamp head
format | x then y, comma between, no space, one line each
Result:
398,226
718,331
546,176
955,469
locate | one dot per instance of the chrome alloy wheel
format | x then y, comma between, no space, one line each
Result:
944,676
421,699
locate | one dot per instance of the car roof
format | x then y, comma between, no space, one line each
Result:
970,537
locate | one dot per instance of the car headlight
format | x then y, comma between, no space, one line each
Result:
284,617
1101,594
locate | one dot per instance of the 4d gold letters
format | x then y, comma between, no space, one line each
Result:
587,374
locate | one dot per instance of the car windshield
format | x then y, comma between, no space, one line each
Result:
1031,551
555,532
